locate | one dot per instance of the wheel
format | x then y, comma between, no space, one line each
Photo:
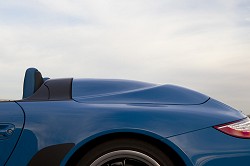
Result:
125,152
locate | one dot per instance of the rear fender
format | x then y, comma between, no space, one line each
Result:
168,143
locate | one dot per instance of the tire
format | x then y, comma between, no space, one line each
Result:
125,152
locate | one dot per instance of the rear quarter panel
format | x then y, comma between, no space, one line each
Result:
59,122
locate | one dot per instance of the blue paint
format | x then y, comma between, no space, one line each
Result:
129,92
10,113
209,147
179,117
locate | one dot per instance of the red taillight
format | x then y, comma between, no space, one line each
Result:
239,129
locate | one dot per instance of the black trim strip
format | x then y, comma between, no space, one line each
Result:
51,155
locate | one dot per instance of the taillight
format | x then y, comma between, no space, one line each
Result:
239,128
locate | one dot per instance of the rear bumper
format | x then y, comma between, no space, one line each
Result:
209,147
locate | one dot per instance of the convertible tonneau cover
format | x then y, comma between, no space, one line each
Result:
132,92
115,91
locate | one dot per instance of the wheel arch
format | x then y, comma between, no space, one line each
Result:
160,142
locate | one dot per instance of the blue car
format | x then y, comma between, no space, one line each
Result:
111,122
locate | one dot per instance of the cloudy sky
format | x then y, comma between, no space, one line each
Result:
200,44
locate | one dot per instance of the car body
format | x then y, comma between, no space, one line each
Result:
59,121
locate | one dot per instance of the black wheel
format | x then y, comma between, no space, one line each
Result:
125,152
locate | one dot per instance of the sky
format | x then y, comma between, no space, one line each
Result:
199,44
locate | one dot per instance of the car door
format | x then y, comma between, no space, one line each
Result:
11,125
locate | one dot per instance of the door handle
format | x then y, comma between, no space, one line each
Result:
6,130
